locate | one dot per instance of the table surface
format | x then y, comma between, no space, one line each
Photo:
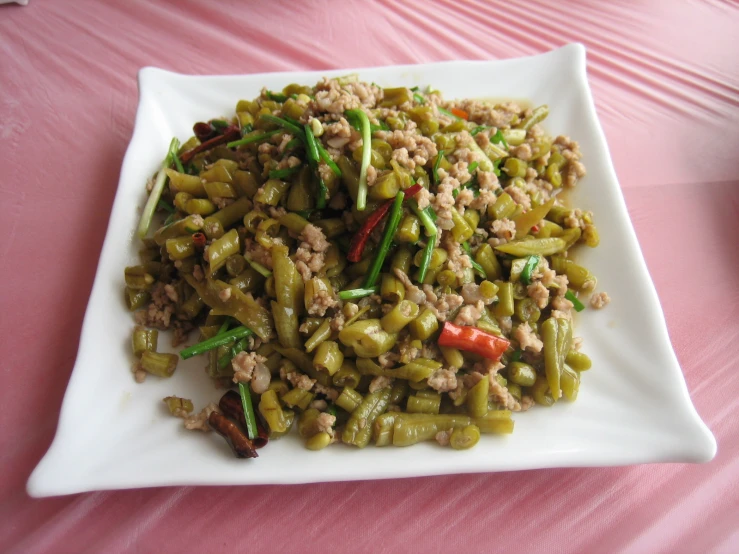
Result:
666,84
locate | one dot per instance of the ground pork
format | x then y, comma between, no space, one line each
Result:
470,314
487,180
300,381
339,134
443,380
457,259
526,403
505,323
464,199
244,364
539,293
504,229
413,293
160,310
527,338
338,201
445,305
423,197
472,295
199,422
330,97
500,395
408,352
255,252
519,196
314,238
599,300
388,359
444,201
442,437
198,273
561,308
328,392
483,200
487,113
325,423
319,405
224,294
420,149
522,152
577,343
322,301
380,382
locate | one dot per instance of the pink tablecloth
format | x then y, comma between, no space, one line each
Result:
666,83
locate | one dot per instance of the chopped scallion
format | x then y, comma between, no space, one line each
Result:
355,294
220,339
246,404
579,306
366,156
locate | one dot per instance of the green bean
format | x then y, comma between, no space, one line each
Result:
331,227
463,438
401,315
402,259
477,398
392,288
328,357
452,356
136,298
461,230
319,441
570,383
543,247
298,397
143,340
522,374
526,310
514,137
249,280
556,333
305,363
289,284
367,338
358,430
137,278
221,249
349,399
485,256
504,207
577,275
515,167
538,115
420,405
177,405
382,429
578,361
415,372
590,235
322,333
527,220
286,325
180,248
271,192
246,183
269,407
159,364
570,237
398,391
424,325
505,306
181,182
347,376
410,429
497,422
541,393
409,230
200,206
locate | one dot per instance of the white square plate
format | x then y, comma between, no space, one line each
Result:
633,405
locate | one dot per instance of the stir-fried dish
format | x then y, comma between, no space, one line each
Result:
366,264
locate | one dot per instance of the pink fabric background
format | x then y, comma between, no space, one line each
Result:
666,83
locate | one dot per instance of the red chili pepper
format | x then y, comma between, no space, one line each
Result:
199,239
473,340
229,134
535,228
203,131
460,113
359,241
